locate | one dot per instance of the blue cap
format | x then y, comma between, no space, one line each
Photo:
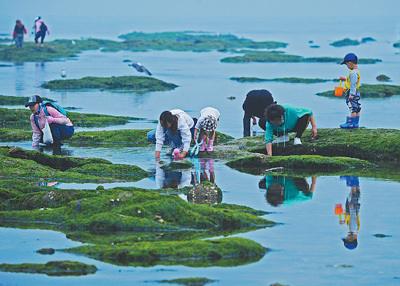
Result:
349,57
350,245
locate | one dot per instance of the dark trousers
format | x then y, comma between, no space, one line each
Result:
299,128
40,34
61,132
246,125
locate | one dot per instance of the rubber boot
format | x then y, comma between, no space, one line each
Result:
348,124
356,121
210,147
203,146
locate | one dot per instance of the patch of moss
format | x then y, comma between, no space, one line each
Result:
17,100
178,165
189,281
193,41
383,77
396,45
33,165
286,79
137,210
19,118
370,91
225,252
52,268
302,162
126,137
349,42
14,135
271,57
136,83
345,42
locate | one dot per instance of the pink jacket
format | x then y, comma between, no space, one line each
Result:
38,23
54,117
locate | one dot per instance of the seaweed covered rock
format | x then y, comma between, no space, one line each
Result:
136,83
275,57
178,165
370,91
52,268
17,163
300,162
225,252
383,77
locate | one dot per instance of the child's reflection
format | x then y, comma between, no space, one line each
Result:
352,209
201,166
283,190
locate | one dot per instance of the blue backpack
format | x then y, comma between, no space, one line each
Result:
52,104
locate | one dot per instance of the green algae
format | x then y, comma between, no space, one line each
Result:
193,281
52,268
369,91
226,252
129,137
14,135
178,165
20,118
136,41
193,41
349,42
135,83
285,79
302,162
17,100
396,45
135,210
32,165
383,77
274,57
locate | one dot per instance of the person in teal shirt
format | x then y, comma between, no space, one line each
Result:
285,118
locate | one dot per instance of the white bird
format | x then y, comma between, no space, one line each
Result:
140,68
73,42
63,73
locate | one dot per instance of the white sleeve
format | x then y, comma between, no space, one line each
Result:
198,123
160,137
185,133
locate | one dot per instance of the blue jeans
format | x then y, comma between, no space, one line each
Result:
19,41
61,132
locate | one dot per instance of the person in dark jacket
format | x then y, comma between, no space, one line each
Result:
254,106
18,34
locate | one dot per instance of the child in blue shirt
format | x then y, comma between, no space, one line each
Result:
351,89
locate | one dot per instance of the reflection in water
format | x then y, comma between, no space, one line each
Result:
283,190
49,184
171,178
54,150
201,166
39,76
20,79
352,208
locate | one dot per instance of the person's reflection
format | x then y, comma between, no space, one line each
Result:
48,184
201,166
352,208
55,150
283,190
171,178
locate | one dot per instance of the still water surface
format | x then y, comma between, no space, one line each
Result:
307,247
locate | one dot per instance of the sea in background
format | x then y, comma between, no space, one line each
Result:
307,247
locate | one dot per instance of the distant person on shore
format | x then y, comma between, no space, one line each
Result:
176,128
61,126
254,106
286,118
351,89
206,126
18,34
40,28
